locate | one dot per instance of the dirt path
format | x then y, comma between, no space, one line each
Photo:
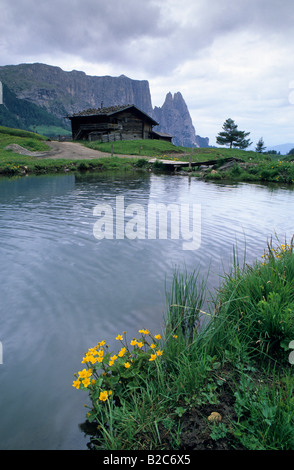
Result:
75,151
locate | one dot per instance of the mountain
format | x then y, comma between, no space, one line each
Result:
22,114
174,118
283,148
62,93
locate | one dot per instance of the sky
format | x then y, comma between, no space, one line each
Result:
228,58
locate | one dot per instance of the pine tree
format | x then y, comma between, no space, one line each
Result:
260,148
232,136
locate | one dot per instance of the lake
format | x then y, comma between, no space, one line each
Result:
63,289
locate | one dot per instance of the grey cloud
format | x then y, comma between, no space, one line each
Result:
134,33
100,30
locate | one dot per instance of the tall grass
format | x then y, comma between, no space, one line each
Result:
255,306
185,302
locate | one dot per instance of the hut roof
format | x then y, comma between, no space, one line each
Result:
108,111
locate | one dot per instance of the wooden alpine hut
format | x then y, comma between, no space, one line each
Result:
126,122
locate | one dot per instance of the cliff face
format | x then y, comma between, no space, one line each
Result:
174,118
63,93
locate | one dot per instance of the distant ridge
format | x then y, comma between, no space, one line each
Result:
282,148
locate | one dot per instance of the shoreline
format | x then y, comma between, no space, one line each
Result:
34,155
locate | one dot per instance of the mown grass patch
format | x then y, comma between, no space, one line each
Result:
148,148
166,150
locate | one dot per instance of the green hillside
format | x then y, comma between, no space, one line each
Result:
15,164
22,114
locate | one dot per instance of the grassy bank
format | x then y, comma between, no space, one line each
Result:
226,385
15,164
247,166
263,171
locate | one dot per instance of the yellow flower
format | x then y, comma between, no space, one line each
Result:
140,345
153,357
152,346
92,352
127,365
175,336
159,353
133,342
144,332
119,337
84,374
86,382
100,353
103,396
157,336
122,351
76,383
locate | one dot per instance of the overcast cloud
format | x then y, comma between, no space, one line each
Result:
228,58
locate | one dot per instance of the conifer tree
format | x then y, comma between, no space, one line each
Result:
260,148
232,137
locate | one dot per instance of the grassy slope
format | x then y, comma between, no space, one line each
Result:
15,164
161,149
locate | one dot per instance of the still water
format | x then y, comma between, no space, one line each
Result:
62,290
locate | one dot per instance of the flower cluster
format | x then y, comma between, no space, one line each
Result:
277,253
107,372
83,378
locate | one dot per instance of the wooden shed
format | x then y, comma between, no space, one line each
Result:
125,122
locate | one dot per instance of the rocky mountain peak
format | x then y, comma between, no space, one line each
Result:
174,118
